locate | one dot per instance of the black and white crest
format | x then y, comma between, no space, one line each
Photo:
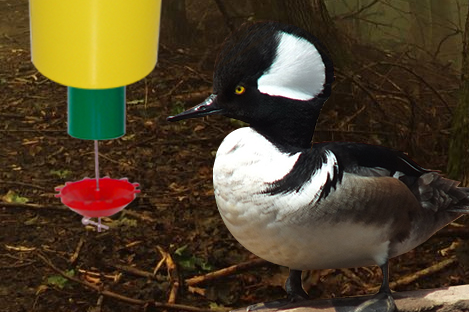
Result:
281,60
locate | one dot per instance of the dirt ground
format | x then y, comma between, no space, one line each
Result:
171,232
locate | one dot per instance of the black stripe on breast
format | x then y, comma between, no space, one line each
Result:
308,163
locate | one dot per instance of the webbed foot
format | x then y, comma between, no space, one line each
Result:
381,302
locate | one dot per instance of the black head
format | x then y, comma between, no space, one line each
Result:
273,76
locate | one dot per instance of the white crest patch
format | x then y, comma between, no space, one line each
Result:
297,72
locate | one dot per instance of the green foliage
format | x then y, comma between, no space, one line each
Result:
12,197
190,262
58,280
126,222
177,108
238,123
32,221
61,173
217,307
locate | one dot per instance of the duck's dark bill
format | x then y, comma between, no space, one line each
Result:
207,107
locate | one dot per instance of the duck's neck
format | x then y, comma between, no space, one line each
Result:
292,133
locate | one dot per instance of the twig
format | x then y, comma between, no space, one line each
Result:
151,138
190,282
440,44
32,206
193,97
225,272
121,163
11,115
134,271
429,86
354,278
16,266
354,14
57,152
173,89
99,305
117,296
26,184
172,274
138,215
454,245
348,119
200,75
75,255
95,277
360,85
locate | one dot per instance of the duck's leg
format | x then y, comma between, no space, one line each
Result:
383,300
295,293
294,287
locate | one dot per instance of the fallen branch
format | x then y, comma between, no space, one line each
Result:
117,296
234,269
75,255
172,273
193,97
138,215
134,271
33,206
42,188
190,282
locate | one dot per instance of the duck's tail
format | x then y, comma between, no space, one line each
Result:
441,194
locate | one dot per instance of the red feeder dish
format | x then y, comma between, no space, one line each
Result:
84,198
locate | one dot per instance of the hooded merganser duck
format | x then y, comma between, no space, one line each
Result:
321,206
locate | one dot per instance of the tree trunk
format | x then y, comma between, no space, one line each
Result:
444,32
174,23
273,10
458,156
420,28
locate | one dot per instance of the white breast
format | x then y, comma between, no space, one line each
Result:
247,164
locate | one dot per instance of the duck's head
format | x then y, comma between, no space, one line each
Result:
273,76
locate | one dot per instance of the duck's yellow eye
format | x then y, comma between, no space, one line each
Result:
240,90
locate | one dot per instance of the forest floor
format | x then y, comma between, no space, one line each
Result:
172,232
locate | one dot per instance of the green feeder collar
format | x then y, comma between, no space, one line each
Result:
96,114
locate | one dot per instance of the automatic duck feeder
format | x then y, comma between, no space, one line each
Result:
95,48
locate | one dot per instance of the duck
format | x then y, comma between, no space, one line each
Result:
307,205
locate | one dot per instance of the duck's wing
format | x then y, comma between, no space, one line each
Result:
432,190
322,169
371,160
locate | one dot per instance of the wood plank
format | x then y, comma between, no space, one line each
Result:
448,299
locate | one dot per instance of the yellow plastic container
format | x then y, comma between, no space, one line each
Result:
94,44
